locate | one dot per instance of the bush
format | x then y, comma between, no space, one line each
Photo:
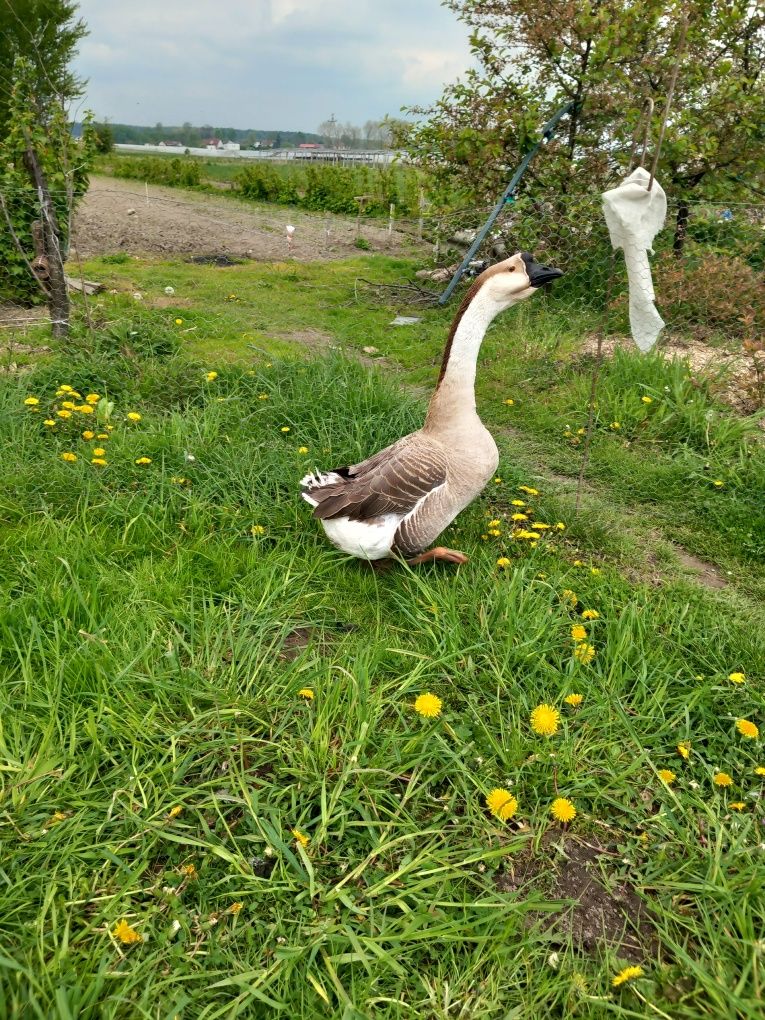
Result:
174,173
719,291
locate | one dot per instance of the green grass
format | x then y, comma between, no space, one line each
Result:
143,621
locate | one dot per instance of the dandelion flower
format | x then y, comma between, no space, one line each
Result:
584,653
517,502
759,771
306,692
718,483
85,409
257,529
737,805
174,811
99,461
87,434
101,435
99,451
568,596
69,457
262,396
285,428
560,526
190,871
595,571
590,614
300,837
64,389
503,562
684,749
64,414
32,401
528,490
539,526
133,416
666,776
179,322
49,422
737,678
211,376
498,481
615,425
578,632
235,908
647,400
125,934
629,973
747,729
519,517
302,449
495,532
494,524
509,402
563,810
93,398
428,705
545,720
501,803
143,460
722,779
575,700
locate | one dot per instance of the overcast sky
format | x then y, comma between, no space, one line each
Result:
266,64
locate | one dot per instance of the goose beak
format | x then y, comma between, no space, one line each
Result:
539,275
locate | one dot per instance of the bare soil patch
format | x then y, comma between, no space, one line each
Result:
115,217
603,913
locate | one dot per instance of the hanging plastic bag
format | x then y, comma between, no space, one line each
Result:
634,217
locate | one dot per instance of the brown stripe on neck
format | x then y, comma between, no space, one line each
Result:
477,284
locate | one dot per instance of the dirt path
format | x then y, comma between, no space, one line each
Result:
115,217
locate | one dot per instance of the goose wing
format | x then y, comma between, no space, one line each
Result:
393,481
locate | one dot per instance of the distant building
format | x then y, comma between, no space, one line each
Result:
171,145
310,145
213,144
231,146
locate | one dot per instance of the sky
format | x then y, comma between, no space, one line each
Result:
287,64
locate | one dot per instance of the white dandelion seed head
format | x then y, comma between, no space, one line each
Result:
138,296
290,230
169,291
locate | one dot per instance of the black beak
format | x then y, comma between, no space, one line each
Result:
539,275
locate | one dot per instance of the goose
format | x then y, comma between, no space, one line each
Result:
397,502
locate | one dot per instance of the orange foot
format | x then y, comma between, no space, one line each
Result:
439,553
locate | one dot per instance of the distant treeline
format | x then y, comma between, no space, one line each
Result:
194,137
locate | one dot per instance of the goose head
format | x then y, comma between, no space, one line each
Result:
515,279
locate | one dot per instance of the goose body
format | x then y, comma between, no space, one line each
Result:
397,502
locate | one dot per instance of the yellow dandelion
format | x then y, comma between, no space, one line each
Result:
759,771
509,401
179,322
747,729
563,810
503,562
49,422
495,532
85,409
497,481
560,526
494,524
69,457
590,614
647,400
737,678
257,529
174,811
517,502
501,803
722,779
92,398
302,449
615,425
64,389
235,908
519,517
32,401
262,396
99,461
300,837
143,460
133,416
568,596
125,934
306,692
595,571
628,974
684,749
666,776
575,700
578,632
428,705
737,805
69,405
87,434
285,428
211,376
190,871
101,435
99,451
718,483
528,490
540,527
584,653
545,719
64,414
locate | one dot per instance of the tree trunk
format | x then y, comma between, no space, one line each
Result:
58,301
681,229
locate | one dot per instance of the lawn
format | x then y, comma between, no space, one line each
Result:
218,797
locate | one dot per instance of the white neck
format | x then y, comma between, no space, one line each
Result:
455,394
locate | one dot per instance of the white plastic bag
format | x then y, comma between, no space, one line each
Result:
634,217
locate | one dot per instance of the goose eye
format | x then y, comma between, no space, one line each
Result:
511,269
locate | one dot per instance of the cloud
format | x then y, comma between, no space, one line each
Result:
266,63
